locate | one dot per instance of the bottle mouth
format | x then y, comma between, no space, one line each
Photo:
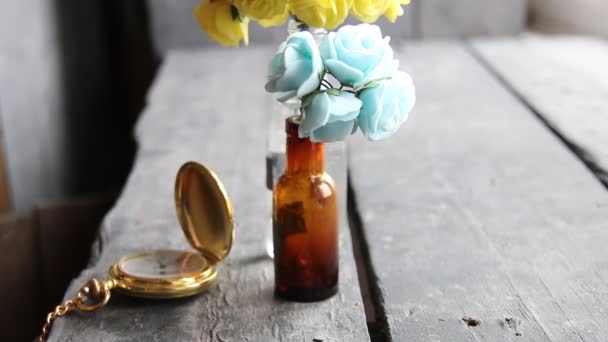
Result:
295,120
292,127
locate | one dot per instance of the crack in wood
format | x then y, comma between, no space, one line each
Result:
373,300
581,153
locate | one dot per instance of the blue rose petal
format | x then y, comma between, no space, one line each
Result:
335,131
386,107
315,115
344,107
328,49
343,72
330,117
295,68
358,54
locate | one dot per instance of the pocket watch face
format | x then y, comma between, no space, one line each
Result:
163,274
163,264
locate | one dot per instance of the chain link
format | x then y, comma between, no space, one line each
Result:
95,291
60,311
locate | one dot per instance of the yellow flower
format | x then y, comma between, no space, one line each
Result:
320,13
394,9
222,23
275,21
269,11
369,10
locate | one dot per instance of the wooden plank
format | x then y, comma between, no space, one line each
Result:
20,293
475,210
447,18
565,79
59,224
201,110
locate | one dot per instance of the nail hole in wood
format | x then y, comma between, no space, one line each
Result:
471,322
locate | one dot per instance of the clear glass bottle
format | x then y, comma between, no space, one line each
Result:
305,223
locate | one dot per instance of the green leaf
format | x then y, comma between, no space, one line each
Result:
382,79
322,74
333,91
372,83
307,99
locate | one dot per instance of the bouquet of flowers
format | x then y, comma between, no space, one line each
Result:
227,21
350,81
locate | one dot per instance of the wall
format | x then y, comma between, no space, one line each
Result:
63,132
465,18
62,84
173,26
33,130
567,16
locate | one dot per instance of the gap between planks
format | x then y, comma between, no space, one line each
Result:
596,170
373,301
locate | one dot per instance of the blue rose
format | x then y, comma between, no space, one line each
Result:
329,116
386,106
358,54
296,68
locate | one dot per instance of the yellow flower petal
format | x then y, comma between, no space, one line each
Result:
215,18
320,13
394,9
275,21
369,11
261,9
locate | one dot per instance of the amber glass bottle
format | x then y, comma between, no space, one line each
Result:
305,229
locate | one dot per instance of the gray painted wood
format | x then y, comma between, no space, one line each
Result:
475,210
565,79
447,18
197,110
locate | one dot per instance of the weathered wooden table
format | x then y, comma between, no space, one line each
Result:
484,219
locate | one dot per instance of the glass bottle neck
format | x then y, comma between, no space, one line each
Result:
303,155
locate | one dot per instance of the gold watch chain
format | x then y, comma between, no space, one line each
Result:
60,311
92,296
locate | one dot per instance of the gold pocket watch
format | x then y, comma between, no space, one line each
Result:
206,217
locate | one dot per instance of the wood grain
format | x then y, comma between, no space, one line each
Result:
20,293
481,225
200,110
65,231
565,80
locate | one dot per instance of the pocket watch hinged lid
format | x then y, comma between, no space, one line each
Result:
205,214
204,211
